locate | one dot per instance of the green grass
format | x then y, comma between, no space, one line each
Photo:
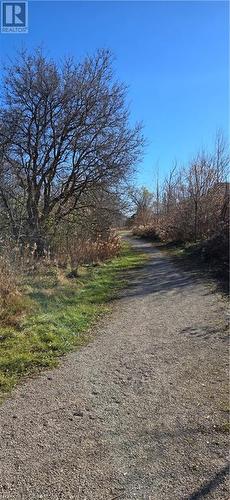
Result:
178,249
58,314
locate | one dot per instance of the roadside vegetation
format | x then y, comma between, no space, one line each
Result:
52,312
188,213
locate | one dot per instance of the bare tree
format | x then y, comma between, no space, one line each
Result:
206,187
194,199
143,202
221,157
66,130
169,189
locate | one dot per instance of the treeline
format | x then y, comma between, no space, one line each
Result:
191,204
66,151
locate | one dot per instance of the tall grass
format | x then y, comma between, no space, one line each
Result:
75,251
17,264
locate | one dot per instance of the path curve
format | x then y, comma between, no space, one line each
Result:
136,414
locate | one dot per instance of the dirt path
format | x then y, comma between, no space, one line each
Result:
138,413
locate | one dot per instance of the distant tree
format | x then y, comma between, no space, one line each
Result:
205,174
221,157
143,201
193,202
169,190
195,197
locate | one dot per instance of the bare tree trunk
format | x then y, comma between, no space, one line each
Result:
195,220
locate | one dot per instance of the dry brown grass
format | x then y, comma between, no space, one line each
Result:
75,252
17,267
8,280
12,301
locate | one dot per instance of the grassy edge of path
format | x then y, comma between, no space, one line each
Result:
59,317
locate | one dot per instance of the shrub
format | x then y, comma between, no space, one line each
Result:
76,251
216,248
149,231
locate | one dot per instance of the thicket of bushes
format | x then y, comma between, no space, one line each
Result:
192,205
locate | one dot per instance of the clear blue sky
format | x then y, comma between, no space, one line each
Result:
172,55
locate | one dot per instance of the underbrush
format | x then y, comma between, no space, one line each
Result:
148,232
56,313
208,258
75,251
19,266
8,282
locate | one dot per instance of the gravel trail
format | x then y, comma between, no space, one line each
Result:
136,414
